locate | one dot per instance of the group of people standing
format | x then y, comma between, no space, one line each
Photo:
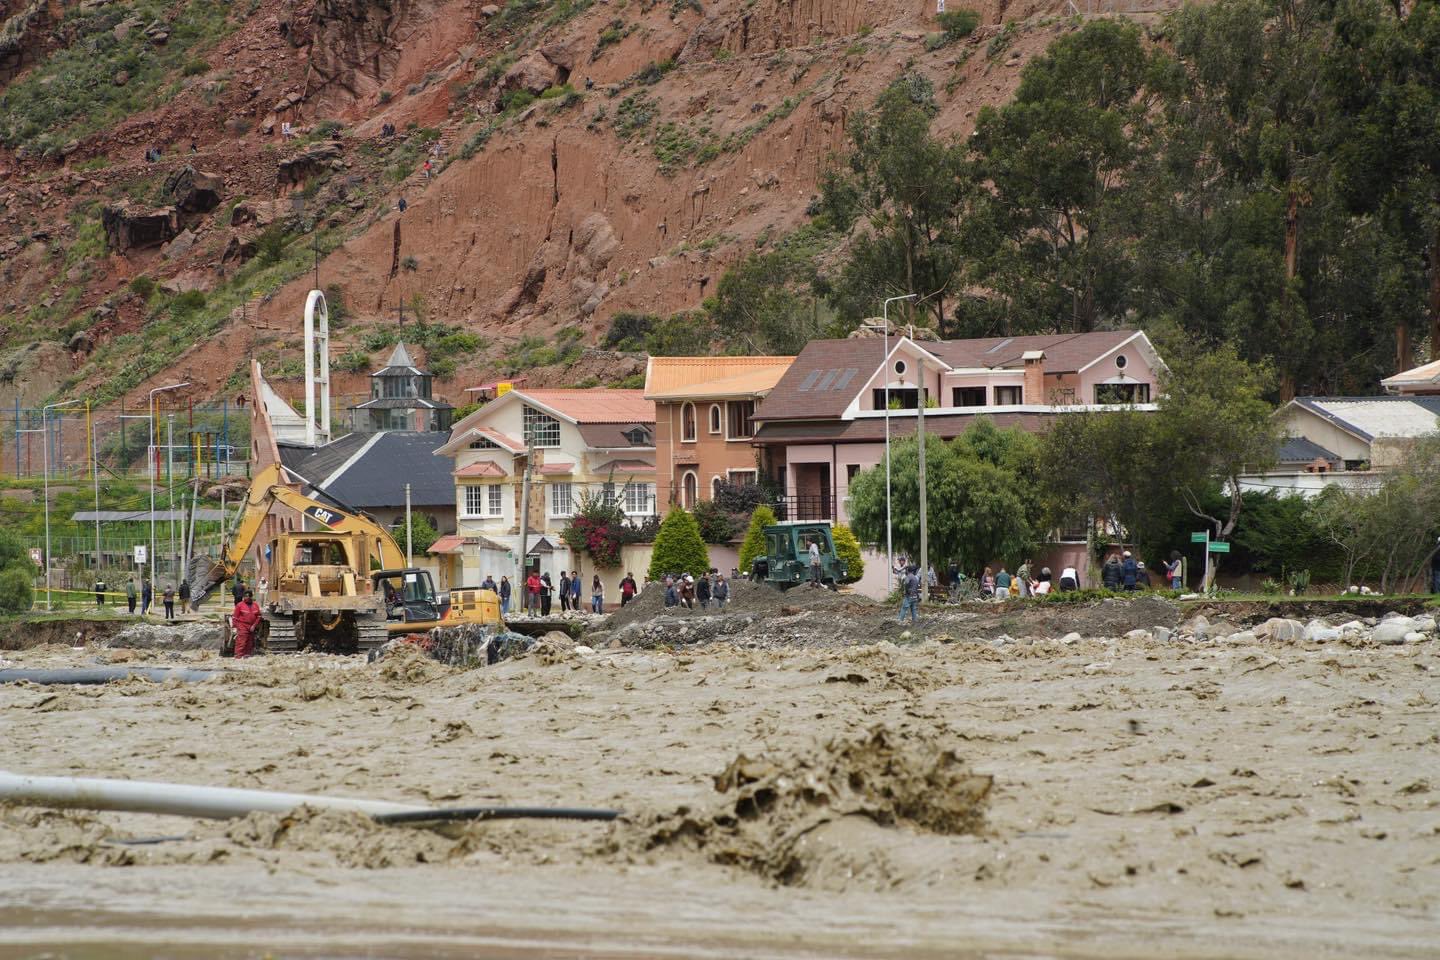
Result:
1025,582
144,595
686,590
539,592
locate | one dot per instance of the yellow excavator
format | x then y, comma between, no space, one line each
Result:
343,588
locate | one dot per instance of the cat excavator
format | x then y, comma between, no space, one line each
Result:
341,588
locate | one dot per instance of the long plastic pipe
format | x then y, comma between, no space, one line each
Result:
90,675
140,796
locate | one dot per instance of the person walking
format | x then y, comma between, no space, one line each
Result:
628,589
147,596
245,618
702,592
402,204
184,595
564,590
130,593
504,595
169,599
597,595
532,594
721,593
1128,572
546,588
575,586
814,563
1175,571
910,596
99,592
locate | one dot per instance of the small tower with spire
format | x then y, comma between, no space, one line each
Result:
400,399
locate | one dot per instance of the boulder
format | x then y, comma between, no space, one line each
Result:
180,246
122,29
1425,624
533,74
309,162
1138,636
489,10
262,213
237,251
1318,631
192,191
127,226
1414,636
1243,637
1281,629
1161,634
1070,638
1393,631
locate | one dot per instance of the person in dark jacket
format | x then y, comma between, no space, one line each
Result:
1111,574
184,595
628,589
237,589
546,588
147,596
564,590
702,592
1129,572
504,595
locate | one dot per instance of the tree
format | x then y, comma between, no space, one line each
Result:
982,505
422,534
907,188
679,547
1214,423
716,524
847,548
17,575
754,545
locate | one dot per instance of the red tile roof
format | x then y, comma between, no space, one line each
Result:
485,468
598,405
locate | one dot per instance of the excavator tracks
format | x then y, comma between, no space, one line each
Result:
352,635
280,634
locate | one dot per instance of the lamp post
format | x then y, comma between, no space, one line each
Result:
45,430
885,372
153,471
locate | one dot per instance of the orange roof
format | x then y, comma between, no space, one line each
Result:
483,468
678,378
596,405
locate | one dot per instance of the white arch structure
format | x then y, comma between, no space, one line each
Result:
316,309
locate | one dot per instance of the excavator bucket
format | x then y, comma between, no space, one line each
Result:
206,576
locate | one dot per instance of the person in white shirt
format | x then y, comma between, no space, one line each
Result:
1069,579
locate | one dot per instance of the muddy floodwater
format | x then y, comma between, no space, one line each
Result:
1128,798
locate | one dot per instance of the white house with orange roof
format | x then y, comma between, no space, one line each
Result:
600,441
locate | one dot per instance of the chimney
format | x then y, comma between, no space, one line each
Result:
1034,392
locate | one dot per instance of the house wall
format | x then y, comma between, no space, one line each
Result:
910,379
709,456
1299,422
1136,370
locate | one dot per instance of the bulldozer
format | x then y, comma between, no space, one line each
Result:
343,588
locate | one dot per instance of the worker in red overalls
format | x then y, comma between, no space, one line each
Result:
245,618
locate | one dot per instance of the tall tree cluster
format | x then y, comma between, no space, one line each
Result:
1263,173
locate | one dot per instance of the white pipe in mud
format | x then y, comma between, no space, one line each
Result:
140,796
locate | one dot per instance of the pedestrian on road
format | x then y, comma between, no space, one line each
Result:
702,592
245,618
130,592
504,595
910,596
597,595
546,588
147,596
564,590
184,595
532,594
628,589
169,598
721,593
99,592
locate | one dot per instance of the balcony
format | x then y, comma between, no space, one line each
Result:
804,507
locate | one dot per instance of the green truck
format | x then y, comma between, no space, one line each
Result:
786,562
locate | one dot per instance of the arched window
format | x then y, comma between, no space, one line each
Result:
690,492
715,487
687,423
716,424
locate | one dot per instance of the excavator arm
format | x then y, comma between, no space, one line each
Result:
266,490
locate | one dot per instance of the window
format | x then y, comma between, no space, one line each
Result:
715,487
687,423
638,437
561,502
639,499
1008,396
607,494
494,499
900,368
715,425
690,491
474,501
902,398
740,411
968,396
541,429
1120,362
743,478
1121,393
852,470
484,444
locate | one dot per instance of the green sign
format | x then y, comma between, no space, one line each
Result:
1219,548
1199,537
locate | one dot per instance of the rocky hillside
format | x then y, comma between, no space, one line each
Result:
586,159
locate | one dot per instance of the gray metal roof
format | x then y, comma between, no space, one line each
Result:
1300,450
368,470
1371,417
403,403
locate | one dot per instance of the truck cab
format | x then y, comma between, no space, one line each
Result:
410,595
786,562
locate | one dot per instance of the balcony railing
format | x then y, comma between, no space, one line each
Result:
805,507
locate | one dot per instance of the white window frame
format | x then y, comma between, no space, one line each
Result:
538,430
475,509
639,499
559,508
494,500
693,433
717,419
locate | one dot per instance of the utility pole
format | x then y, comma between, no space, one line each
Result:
920,477
169,481
408,562
525,522
95,476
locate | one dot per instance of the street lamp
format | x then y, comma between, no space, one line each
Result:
153,472
885,372
45,431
